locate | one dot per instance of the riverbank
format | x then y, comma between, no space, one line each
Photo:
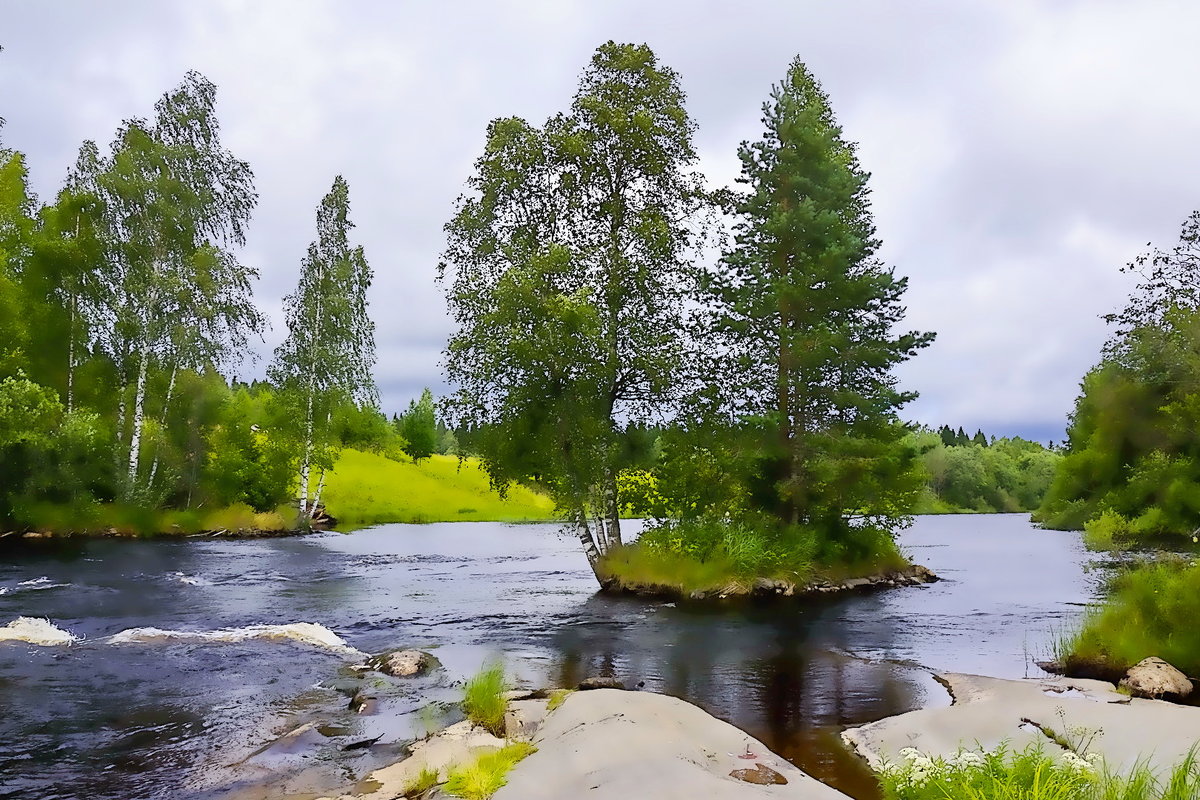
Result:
1066,718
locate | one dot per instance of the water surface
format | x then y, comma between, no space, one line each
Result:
190,717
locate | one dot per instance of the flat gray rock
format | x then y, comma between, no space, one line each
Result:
608,744
989,711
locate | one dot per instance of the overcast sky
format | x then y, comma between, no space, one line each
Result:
1021,151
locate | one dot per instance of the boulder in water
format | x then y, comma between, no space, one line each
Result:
1154,678
601,682
404,663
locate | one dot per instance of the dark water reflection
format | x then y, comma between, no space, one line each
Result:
185,718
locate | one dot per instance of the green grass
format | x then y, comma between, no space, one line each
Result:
728,556
1151,611
483,777
1032,774
483,698
369,489
134,521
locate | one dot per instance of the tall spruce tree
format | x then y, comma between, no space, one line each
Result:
566,270
329,353
805,316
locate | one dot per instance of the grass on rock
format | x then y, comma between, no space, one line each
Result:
370,489
483,698
425,780
484,776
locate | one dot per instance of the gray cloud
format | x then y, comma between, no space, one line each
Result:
1021,151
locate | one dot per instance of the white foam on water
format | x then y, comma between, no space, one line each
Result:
303,632
35,631
189,580
39,583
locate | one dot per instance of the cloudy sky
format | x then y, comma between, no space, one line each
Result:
1021,151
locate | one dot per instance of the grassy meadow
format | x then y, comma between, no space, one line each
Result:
369,489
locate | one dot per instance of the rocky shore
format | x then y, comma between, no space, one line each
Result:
913,575
606,744
1059,714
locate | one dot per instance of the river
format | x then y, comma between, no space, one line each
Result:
192,714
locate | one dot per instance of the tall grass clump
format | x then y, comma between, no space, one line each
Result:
1031,774
485,775
483,698
1151,611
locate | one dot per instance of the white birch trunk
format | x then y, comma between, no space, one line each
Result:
304,465
588,541
163,424
71,359
317,497
139,414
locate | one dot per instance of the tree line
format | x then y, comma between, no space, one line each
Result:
1131,469
124,309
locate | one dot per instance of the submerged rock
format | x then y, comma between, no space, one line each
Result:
1154,678
762,775
404,663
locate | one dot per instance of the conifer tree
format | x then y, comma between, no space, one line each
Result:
806,316
419,427
329,353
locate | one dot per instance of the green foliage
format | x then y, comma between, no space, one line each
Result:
484,776
1003,475
1134,438
369,489
1150,611
483,698
419,427
325,361
566,269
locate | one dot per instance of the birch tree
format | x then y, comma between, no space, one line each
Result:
177,204
567,268
329,353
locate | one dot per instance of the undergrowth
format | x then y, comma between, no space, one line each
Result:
1150,611
1032,774
699,555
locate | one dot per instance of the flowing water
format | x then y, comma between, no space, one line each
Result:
190,664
